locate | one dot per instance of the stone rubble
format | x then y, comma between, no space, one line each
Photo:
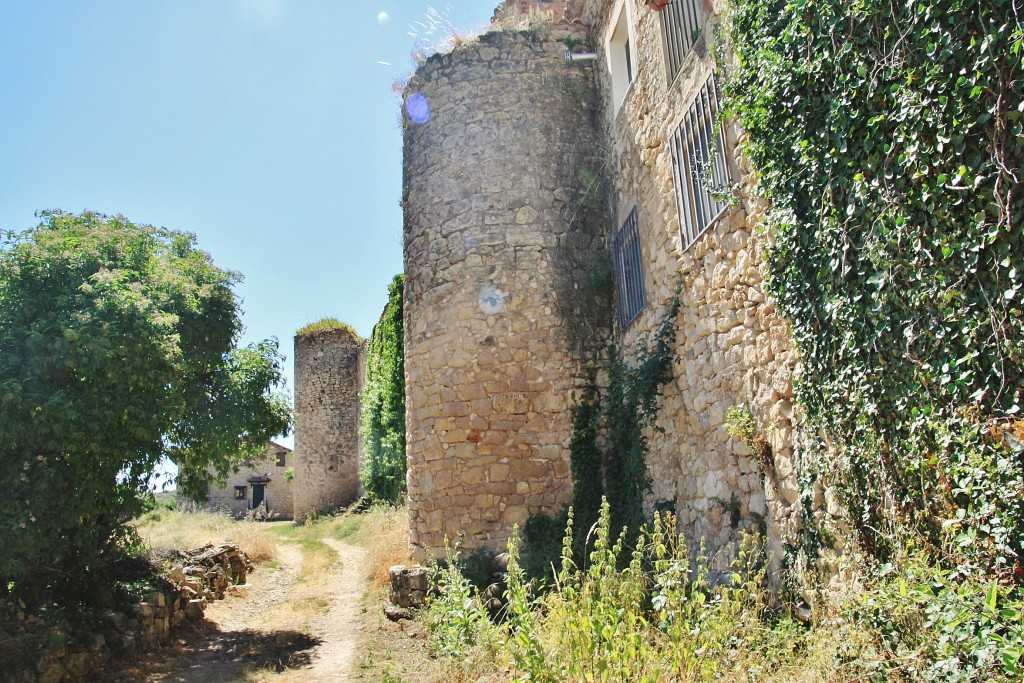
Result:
409,585
67,654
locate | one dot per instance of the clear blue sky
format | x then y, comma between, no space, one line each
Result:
267,127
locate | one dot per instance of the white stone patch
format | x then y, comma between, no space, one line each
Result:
492,300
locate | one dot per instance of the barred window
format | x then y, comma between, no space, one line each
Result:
681,21
240,493
629,271
699,165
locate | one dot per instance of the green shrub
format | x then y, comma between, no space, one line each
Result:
382,400
456,618
118,348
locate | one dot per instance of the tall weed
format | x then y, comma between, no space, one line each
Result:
653,613
457,621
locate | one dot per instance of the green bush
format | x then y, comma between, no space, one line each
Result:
118,348
456,618
382,419
656,613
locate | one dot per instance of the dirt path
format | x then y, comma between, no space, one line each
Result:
341,626
278,628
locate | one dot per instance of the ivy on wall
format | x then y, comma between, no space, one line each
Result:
887,137
607,453
608,449
630,405
382,420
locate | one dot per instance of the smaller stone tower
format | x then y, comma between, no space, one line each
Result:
327,379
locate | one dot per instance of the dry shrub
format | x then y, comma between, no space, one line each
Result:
253,538
385,535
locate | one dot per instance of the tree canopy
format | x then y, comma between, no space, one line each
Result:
118,347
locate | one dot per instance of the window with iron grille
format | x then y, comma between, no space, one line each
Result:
681,21
699,165
629,271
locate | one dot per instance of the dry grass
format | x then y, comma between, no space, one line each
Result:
171,529
384,532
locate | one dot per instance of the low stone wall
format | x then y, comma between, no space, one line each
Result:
65,654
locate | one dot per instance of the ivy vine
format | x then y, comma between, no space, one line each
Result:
608,448
887,138
621,412
382,401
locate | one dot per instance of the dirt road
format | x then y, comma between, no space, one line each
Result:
277,628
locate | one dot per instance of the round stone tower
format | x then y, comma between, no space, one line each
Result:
500,183
327,382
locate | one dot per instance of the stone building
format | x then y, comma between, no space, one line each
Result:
684,214
522,162
328,375
261,483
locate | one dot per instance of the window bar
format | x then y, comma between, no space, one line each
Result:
630,269
681,19
704,123
699,165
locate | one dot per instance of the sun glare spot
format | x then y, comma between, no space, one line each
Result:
417,108
383,18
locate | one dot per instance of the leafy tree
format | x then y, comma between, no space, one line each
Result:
117,349
382,424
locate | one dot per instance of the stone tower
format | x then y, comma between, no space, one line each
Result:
500,159
327,382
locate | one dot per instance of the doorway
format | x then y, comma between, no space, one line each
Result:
257,495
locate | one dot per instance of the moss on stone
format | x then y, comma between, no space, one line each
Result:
326,325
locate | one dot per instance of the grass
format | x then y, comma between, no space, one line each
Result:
325,325
384,531
165,529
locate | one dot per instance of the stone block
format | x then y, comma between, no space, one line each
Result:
143,611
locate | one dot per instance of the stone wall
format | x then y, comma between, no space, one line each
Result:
499,236
732,346
80,653
76,654
565,13
328,372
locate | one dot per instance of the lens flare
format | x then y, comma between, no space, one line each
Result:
417,108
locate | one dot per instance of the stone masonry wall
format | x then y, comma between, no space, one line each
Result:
327,382
732,346
497,240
